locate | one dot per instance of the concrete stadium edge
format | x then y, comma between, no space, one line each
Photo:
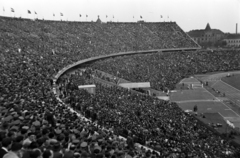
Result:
84,61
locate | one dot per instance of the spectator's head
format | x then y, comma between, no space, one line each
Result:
6,142
19,139
16,147
47,154
33,145
35,153
68,154
56,147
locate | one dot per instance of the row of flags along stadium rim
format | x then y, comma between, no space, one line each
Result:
61,14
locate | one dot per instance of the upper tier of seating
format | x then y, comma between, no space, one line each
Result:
90,38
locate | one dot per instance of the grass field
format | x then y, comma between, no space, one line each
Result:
206,101
209,107
215,118
231,92
216,107
195,94
233,81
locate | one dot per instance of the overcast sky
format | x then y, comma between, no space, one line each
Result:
189,14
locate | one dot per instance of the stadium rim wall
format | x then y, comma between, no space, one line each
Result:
92,59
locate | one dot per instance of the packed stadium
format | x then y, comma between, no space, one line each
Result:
95,89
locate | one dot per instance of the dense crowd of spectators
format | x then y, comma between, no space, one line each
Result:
90,38
164,70
34,124
158,124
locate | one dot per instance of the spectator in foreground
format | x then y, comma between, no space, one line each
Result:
6,144
47,154
15,151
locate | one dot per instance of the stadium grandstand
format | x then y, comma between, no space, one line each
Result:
45,114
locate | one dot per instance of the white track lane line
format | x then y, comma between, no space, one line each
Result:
230,109
189,101
215,83
230,86
212,95
221,115
224,103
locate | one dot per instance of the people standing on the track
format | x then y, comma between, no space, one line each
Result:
195,108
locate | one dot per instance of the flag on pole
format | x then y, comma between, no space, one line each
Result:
29,12
12,10
61,14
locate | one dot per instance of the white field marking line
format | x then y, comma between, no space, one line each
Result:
221,115
182,80
204,90
230,109
186,101
215,83
212,95
225,104
230,85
